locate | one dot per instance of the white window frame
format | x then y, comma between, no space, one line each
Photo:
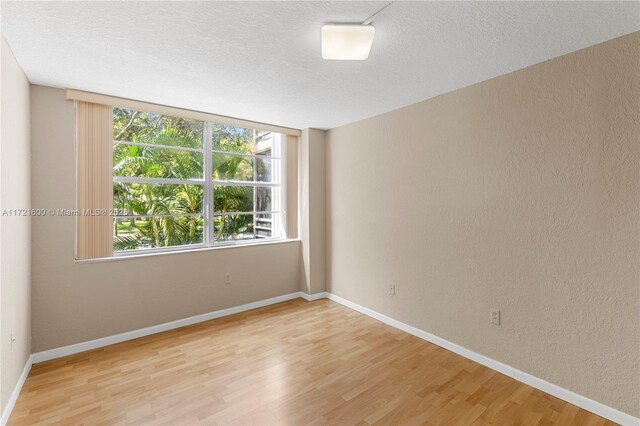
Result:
208,213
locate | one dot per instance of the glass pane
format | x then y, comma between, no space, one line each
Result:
232,167
151,232
238,227
156,199
144,161
264,199
231,139
264,225
234,227
232,198
145,127
266,169
264,143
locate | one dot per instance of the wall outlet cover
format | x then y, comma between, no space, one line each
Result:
494,316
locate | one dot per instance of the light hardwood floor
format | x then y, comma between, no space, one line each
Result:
294,363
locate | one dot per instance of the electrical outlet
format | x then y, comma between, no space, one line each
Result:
227,278
494,316
392,290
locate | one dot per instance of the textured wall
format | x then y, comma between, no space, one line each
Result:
15,232
520,193
74,302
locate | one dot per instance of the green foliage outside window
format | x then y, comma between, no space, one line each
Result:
146,160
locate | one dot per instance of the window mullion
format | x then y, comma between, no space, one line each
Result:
157,181
246,183
144,216
208,187
254,161
240,154
156,146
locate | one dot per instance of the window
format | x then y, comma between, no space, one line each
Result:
185,183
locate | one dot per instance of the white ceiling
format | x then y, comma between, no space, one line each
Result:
261,60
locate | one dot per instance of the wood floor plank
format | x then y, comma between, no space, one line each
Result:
294,363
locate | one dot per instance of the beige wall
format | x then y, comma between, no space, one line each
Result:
312,210
520,193
15,232
75,302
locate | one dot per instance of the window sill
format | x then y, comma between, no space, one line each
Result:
185,251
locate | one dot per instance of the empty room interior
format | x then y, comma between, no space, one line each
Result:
320,212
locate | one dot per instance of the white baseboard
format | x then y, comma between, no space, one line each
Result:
315,296
6,413
533,381
129,335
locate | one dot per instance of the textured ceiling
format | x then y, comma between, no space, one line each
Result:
261,60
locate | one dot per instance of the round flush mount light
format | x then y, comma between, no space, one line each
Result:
347,42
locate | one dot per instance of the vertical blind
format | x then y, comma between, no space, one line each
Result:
94,180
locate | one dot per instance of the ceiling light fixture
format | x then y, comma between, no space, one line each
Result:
348,42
